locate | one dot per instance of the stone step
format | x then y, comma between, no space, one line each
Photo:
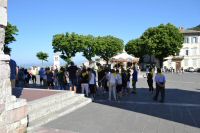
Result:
54,106
32,127
34,105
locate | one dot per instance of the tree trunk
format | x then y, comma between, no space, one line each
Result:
106,62
161,62
42,63
150,60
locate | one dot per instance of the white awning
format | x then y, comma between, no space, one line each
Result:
124,57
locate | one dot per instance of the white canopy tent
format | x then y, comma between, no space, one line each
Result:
124,57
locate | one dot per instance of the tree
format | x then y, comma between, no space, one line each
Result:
162,41
195,28
68,44
42,56
89,47
108,46
10,32
136,47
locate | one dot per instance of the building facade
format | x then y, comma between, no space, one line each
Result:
189,55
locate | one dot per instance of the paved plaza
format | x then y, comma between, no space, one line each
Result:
139,113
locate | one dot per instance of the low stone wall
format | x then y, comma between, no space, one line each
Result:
13,117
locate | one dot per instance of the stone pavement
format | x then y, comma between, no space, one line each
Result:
31,94
139,113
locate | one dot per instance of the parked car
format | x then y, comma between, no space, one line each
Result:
198,70
190,69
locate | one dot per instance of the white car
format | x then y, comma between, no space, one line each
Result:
190,69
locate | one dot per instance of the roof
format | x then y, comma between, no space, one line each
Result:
190,32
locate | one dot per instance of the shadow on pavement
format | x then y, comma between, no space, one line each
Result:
180,106
17,91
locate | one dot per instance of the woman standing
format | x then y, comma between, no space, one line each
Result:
84,81
50,79
119,84
92,83
112,84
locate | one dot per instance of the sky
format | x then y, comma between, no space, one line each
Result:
39,20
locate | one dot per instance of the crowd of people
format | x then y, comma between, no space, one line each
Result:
116,82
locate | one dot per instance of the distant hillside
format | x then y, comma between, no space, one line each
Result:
195,28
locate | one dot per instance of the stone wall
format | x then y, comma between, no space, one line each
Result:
13,117
13,112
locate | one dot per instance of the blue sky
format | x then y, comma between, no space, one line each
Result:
39,20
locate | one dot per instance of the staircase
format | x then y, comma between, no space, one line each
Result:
46,109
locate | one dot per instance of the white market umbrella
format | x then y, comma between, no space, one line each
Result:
124,57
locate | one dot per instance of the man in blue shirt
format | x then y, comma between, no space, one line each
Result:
160,85
42,74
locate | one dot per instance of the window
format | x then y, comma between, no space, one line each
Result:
186,62
187,40
187,52
194,40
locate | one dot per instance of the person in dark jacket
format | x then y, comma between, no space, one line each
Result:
134,79
84,81
61,79
72,70
150,80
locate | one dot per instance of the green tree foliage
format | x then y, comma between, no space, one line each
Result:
136,47
162,41
42,56
108,46
10,33
68,44
89,47
195,28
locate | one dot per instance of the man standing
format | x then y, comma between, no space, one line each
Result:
13,72
34,73
160,85
72,76
134,79
42,74
150,80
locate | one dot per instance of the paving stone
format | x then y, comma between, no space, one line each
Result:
165,126
139,113
179,128
151,125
